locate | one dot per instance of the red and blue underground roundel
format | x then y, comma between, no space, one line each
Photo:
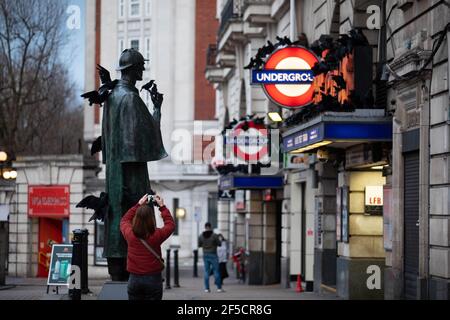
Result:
251,144
287,77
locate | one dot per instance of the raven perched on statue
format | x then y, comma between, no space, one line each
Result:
99,204
96,146
100,96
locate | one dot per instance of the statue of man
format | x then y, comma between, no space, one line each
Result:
131,137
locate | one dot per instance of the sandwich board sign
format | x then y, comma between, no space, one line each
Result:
60,265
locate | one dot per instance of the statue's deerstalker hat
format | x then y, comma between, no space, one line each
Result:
129,58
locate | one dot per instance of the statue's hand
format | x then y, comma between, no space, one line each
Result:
157,98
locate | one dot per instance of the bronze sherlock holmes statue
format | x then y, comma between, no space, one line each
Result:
131,137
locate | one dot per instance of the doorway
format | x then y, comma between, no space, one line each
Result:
411,224
303,231
50,232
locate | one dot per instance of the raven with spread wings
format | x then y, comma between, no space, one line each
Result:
99,96
100,206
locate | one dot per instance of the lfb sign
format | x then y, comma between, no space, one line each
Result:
374,195
287,78
374,200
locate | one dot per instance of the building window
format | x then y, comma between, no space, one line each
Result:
175,205
134,44
147,48
121,46
99,243
121,8
147,8
135,8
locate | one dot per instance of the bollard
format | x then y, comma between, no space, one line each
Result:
75,293
195,263
84,261
3,251
176,283
168,269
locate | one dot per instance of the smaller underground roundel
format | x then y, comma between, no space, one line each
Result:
287,77
251,144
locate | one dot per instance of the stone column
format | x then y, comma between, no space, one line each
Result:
271,265
223,217
394,274
439,201
325,226
240,234
254,226
285,235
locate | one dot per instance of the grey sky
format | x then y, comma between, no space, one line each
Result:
73,54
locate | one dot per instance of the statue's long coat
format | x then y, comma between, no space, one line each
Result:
131,137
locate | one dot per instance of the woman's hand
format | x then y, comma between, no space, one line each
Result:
143,200
159,200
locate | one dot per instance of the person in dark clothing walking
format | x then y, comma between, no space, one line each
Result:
209,241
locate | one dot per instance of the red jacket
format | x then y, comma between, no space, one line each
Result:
139,259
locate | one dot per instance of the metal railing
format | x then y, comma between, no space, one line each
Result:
231,10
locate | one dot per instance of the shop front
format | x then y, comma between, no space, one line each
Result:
47,191
359,221
352,158
255,224
299,247
50,206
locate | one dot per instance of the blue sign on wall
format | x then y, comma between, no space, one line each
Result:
370,131
303,138
250,182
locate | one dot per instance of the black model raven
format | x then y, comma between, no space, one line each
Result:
285,41
96,146
152,88
99,96
340,82
100,206
358,38
148,85
256,63
105,77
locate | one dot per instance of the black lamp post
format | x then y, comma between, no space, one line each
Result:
6,173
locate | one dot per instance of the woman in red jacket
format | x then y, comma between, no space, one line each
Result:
145,266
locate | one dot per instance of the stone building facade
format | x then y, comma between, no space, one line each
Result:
330,234
418,266
30,238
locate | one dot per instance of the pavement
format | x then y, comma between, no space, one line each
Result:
190,289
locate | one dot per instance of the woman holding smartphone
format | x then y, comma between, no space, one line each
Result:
144,239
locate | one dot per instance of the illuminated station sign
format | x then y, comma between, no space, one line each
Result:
286,76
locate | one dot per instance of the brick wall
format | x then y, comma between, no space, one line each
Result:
206,26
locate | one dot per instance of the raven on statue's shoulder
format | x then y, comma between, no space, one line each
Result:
100,206
100,96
